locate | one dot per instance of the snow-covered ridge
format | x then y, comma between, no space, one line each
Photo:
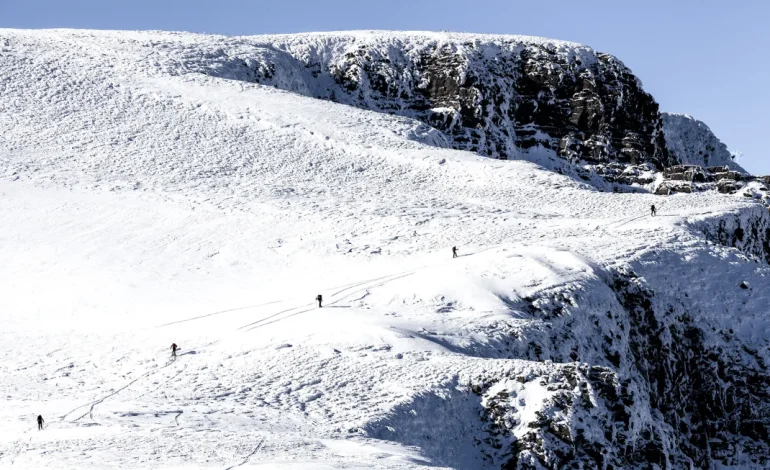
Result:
439,78
147,198
513,97
500,96
382,36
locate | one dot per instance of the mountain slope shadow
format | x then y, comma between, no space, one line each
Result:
445,424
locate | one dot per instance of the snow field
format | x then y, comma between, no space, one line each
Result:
143,204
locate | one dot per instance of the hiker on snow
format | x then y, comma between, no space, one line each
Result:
39,422
174,347
652,210
454,252
319,298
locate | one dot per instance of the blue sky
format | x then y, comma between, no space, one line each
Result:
707,58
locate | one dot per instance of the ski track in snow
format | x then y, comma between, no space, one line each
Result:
93,404
144,203
248,457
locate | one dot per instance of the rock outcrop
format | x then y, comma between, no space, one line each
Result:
748,231
694,178
674,384
500,96
507,97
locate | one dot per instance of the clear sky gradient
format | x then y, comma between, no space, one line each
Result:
707,58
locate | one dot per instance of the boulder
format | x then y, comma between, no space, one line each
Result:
677,177
668,187
718,169
727,186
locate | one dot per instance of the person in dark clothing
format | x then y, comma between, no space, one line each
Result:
39,422
454,252
319,298
174,347
652,210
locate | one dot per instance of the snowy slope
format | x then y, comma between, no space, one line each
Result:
692,143
509,97
144,203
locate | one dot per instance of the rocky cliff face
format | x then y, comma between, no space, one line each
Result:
748,231
626,371
500,96
675,383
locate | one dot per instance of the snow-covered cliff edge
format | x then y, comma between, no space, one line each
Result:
499,96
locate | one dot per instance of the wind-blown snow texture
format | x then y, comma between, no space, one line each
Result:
148,198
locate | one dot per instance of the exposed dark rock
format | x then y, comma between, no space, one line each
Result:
748,232
693,178
668,187
669,391
718,169
492,95
706,387
727,186
499,96
729,175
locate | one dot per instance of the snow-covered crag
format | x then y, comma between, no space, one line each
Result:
498,96
154,189
704,162
509,97
691,142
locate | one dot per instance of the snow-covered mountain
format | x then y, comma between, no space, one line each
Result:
691,142
500,96
151,191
